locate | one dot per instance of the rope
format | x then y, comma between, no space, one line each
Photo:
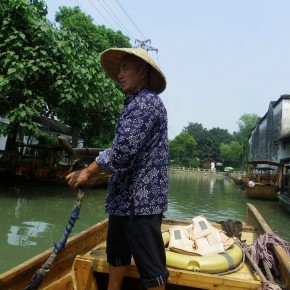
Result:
259,251
41,273
262,249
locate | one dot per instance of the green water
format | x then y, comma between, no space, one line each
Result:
33,217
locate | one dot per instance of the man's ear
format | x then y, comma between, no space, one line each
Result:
144,71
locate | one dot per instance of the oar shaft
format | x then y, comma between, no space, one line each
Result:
256,267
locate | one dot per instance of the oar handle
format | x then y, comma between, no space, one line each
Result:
77,152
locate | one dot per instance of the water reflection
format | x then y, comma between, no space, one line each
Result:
23,235
21,207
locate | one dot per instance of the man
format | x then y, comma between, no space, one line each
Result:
137,163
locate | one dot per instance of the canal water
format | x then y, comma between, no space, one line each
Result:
33,217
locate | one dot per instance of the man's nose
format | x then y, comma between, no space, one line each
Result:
120,75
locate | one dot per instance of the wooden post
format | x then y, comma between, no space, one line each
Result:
83,275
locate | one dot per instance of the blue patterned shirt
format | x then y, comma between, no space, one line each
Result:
138,159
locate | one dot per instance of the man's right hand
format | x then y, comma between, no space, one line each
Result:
77,178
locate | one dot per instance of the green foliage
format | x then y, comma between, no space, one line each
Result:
98,37
231,153
28,58
182,149
46,139
99,115
208,141
247,123
53,72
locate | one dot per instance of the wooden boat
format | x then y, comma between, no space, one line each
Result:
263,180
40,163
284,196
45,164
82,264
238,180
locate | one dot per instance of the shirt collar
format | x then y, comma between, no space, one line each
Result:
129,98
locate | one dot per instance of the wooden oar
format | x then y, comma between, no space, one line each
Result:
43,271
266,285
77,152
233,229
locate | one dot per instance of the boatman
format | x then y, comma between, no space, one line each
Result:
137,164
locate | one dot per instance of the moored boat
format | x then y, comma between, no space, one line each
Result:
238,180
263,180
284,196
82,264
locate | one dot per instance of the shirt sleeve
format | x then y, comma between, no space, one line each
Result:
132,132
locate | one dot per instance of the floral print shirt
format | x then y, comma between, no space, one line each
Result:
138,159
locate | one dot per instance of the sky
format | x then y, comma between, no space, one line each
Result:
221,58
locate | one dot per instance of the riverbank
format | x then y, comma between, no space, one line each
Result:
183,169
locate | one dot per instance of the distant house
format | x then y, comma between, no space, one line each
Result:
208,163
270,139
3,139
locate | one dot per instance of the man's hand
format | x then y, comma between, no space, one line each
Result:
77,178
80,177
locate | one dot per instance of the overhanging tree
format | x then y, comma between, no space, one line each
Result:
100,116
246,124
46,71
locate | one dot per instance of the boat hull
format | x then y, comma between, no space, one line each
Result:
262,191
284,201
82,264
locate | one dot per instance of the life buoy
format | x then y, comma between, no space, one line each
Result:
213,264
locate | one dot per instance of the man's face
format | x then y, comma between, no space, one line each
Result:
131,75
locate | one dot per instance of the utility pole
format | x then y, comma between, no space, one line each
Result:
145,44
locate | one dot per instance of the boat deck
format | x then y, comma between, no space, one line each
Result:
93,264
82,264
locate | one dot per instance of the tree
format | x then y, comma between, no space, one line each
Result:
182,149
46,71
98,126
200,135
98,37
208,141
216,137
28,61
246,124
231,153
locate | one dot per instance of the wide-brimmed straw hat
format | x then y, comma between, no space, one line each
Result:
110,60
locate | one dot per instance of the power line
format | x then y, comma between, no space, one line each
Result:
84,10
101,14
115,18
130,19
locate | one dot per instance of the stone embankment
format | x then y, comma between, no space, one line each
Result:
201,170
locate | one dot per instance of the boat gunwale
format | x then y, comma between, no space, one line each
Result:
255,223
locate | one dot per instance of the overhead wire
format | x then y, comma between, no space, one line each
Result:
120,24
84,10
115,18
128,16
110,24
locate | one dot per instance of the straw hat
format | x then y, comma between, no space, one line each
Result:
110,61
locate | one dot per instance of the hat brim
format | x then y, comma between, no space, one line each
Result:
111,58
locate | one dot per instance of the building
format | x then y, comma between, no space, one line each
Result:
208,163
47,125
270,139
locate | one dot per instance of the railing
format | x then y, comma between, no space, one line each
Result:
191,169
201,170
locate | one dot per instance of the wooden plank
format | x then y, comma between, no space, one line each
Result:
64,282
63,263
254,218
242,280
83,275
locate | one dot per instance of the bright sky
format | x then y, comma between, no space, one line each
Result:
221,58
